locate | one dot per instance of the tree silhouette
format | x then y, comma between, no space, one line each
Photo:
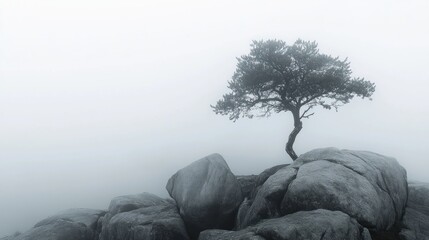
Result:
276,77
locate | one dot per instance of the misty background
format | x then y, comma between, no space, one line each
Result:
104,98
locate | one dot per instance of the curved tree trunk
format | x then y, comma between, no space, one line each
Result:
292,136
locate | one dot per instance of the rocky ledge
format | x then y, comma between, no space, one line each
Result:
325,194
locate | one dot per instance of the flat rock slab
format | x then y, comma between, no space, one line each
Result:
306,225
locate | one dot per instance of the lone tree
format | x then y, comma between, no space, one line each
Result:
277,77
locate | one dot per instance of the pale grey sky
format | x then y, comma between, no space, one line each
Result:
100,98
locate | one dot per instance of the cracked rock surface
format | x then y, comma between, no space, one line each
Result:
142,216
368,187
305,225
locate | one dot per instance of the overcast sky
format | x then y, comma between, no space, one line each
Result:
100,98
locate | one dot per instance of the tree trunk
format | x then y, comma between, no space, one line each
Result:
292,136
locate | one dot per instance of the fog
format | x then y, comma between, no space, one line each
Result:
107,98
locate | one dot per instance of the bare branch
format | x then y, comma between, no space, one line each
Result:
305,115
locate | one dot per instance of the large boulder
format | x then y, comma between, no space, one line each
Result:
207,194
73,224
415,224
369,187
250,184
131,202
264,175
267,201
142,217
311,225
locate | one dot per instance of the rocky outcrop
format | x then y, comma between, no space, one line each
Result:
311,225
369,187
207,194
415,224
325,194
73,224
142,216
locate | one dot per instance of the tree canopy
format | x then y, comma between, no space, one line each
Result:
276,77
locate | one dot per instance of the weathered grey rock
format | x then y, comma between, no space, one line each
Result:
247,184
242,212
88,217
207,194
306,225
216,234
59,230
142,217
415,223
131,202
156,222
250,184
73,224
267,201
322,184
369,187
263,176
